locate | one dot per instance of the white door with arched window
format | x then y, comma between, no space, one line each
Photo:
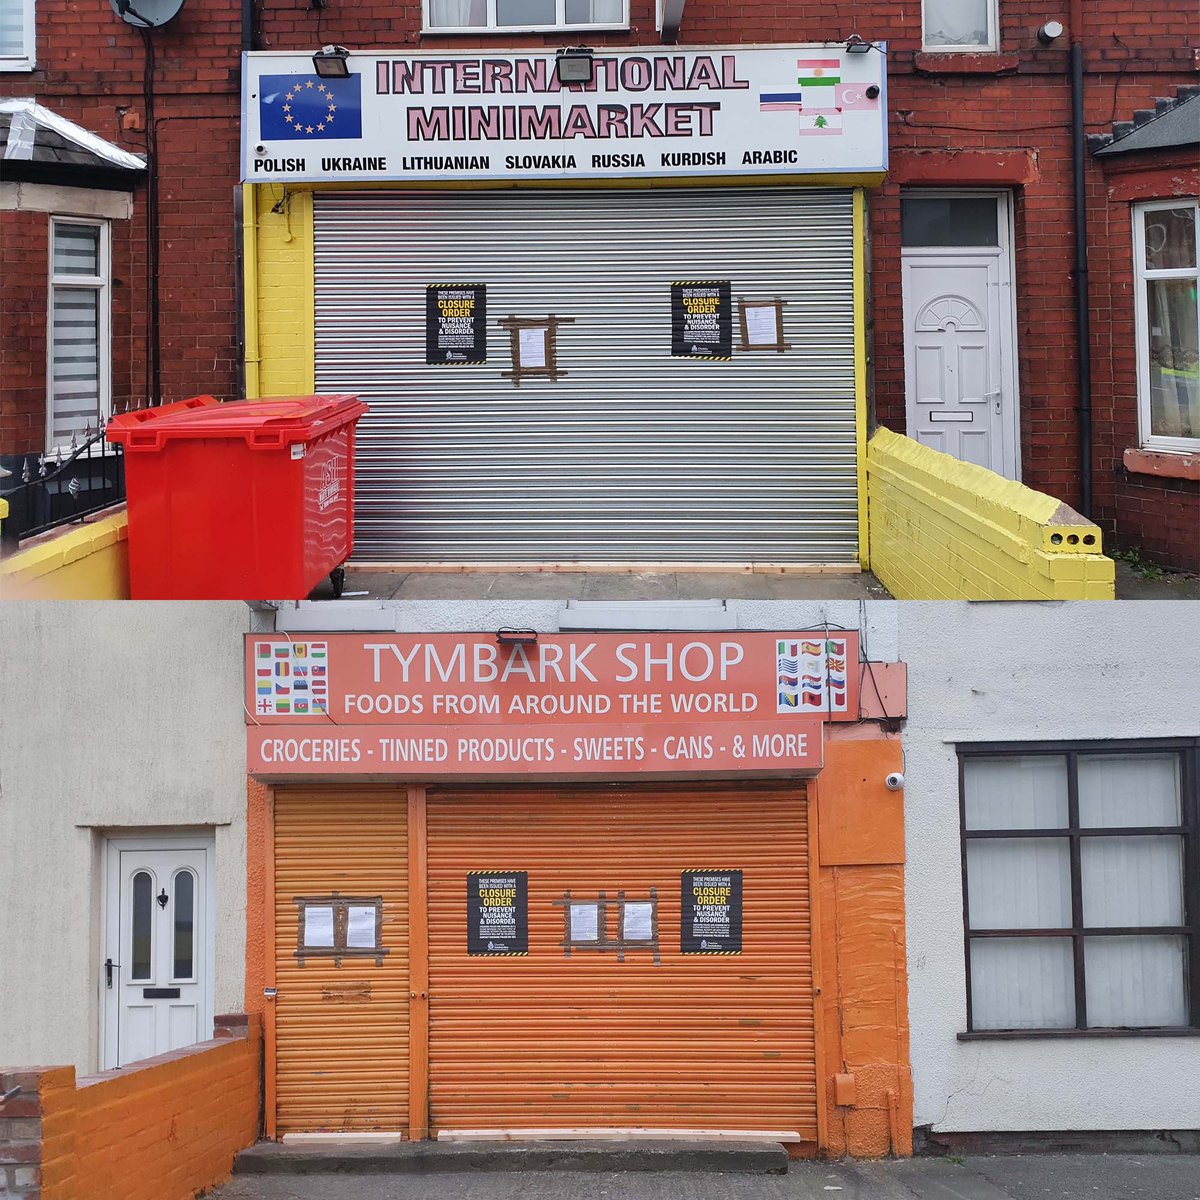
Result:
960,377
157,966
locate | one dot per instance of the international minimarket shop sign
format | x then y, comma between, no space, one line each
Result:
652,112
585,706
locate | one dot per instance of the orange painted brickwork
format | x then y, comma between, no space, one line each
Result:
862,1010
162,1129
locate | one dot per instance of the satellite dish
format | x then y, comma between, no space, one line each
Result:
146,14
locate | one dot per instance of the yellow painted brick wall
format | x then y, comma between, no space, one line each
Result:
76,562
283,291
941,529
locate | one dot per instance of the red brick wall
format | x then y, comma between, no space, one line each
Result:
1160,517
91,71
23,300
162,1129
92,68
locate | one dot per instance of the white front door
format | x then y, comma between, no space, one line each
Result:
156,974
959,370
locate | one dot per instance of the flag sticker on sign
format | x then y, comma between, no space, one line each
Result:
294,681
307,108
853,97
780,101
818,123
818,72
820,97
811,676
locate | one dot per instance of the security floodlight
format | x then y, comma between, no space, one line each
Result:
330,62
574,64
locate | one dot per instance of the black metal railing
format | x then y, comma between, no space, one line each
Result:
46,491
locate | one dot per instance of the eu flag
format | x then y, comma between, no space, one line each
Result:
304,107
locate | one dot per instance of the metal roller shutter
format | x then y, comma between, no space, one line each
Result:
341,1032
547,1041
633,456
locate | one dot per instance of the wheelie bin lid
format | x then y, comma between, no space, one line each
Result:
261,424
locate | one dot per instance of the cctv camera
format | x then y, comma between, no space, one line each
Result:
894,781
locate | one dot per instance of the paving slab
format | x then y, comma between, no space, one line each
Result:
1085,1176
1133,584
604,585
640,585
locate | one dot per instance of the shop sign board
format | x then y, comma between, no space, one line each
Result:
710,912
497,913
567,706
651,112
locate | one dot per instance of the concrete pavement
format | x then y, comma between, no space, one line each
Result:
679,585
605,585
1007,1177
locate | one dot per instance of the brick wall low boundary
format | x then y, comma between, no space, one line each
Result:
941,529
161,1129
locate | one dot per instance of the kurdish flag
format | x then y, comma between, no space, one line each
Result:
819,72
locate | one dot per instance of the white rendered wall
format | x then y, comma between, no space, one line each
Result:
114,717
1026,672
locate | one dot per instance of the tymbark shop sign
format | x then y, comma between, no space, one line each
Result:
588,706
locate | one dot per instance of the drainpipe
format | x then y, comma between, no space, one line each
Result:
154,329
246,255
248,291
1082,301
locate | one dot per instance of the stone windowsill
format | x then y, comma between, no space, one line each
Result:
928,62
1167,464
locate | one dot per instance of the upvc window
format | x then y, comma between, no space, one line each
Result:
16,35
1167,274
79,393
960,25
451,16
1081,884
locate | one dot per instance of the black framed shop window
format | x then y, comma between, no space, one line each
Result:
1081,887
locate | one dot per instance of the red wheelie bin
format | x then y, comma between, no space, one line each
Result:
249,500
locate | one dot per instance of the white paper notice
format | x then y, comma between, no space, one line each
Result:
318,926
762,328
532,345
360,928
585,922
638,925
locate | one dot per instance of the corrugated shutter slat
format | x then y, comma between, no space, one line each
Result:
342,1032
722,1042
634,455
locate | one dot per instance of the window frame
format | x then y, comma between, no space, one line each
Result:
558,26
100,283
1187,751
993,42
1141,276
27,60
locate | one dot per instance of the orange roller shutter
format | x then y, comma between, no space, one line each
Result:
550,1041
342,1032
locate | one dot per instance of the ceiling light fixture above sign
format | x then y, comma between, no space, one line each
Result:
516,637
